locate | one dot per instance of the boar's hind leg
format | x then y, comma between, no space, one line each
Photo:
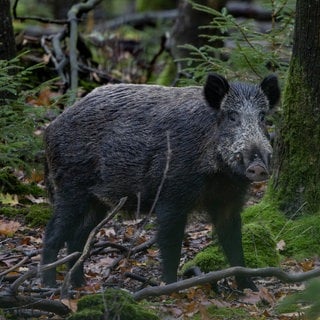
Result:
228,228
76,243
171,224
57,231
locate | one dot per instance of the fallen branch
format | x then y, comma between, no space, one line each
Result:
218,275
16,266
7,300
9,297
16,284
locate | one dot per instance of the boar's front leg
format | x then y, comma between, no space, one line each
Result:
227,221
171,225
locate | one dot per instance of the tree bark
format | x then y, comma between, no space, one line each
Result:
7,40
296,180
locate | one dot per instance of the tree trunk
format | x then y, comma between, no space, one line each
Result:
296,180
7,40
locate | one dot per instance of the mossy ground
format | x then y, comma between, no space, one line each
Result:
14,200
264,225
112,304
10,184
259,247
301,235
34,215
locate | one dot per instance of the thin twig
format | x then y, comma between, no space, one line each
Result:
15,285
87,247
19,264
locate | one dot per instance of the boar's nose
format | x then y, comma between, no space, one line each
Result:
257,171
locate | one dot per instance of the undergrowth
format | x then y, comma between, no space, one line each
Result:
250,51
21,121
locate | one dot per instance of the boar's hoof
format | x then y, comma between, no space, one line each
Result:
257,172
246,283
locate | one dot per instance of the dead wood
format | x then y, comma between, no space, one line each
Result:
214,276
9,298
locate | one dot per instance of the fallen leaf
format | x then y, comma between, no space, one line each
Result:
35,200
9,199
307,265
280,245
267,296
8,228
70,303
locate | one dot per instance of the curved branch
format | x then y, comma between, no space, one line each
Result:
218,275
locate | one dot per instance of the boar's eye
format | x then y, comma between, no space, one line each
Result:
233,116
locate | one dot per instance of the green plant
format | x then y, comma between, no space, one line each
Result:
18,119
306,302
248,53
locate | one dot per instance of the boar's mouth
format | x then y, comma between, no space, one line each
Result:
257,171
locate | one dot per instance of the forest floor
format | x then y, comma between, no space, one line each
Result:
20,247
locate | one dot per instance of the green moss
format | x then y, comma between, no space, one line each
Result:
12,212
168,74
209,259
266,213
35,215
113,304
38,214
297,186
259,246
9,183
301,235
213,312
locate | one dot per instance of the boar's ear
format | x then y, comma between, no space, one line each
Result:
270,87
215,89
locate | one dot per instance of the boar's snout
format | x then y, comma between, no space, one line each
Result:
256,165
257,171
